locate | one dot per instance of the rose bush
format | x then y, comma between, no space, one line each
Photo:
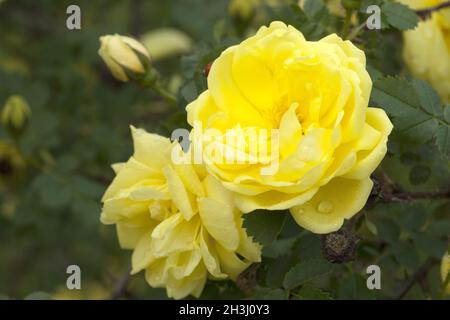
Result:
315,95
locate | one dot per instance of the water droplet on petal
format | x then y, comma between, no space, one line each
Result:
325,207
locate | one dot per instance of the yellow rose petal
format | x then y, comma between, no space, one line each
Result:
218,219
330,206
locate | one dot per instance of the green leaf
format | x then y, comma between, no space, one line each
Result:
264,226
308,247
354,287
412,109
306,271
309,292
399,15
279,247
429,99
406,254
313,20
388,230
277,269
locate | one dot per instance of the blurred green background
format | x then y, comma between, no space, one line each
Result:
52,177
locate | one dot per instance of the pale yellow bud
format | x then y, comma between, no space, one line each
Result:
124,56
15,114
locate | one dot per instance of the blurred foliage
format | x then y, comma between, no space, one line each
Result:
49,212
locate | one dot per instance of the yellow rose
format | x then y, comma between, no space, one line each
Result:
123,56
426,49
285,124
179,221
445,268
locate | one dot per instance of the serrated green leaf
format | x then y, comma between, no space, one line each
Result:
306,271
429,99
264,226
399,15
411,120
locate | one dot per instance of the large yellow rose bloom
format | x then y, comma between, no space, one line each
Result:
427,48
179,221
314,95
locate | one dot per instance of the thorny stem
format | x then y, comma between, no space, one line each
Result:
391,192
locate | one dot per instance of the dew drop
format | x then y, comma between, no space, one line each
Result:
325,207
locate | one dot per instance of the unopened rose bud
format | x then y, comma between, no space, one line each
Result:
15,114
125,57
